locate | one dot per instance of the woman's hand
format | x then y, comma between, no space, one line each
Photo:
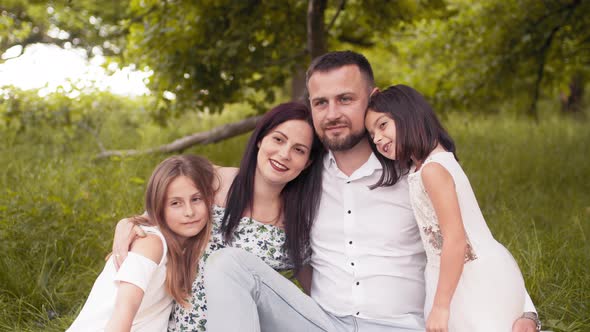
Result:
125,234
438,320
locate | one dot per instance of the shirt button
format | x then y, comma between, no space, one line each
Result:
357,283
347,181
349,242
358,312
349,212
352,263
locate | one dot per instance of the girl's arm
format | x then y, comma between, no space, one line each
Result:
440,187
129,295
129,298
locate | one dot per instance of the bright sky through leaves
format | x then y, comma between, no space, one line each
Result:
46,67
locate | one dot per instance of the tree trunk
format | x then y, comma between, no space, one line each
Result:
316,39
572,102
316,46
298,87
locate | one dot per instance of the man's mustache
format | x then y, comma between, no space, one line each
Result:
334,123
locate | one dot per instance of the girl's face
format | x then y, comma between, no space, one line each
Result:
185,211
383,133
284,152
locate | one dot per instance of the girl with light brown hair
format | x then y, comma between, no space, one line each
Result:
160,267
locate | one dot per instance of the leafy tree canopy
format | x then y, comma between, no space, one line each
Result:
209,53
205,54
490,51
98,25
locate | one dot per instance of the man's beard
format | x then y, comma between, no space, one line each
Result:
343,143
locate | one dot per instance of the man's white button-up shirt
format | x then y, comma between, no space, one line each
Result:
367,257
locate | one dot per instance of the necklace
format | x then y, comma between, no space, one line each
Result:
273,222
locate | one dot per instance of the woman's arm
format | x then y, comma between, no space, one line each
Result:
225,177
440,187
125,233
129,295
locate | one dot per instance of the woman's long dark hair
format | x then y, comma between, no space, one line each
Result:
300,197
418,130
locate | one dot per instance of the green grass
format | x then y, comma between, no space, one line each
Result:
58,207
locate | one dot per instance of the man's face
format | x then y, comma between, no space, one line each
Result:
339,99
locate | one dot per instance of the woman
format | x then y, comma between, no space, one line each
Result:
250,210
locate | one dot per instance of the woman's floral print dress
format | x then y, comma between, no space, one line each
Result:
263,240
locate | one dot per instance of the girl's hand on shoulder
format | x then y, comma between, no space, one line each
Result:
438,320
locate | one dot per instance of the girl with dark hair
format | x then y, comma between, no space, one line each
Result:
472,281
161,266
266,206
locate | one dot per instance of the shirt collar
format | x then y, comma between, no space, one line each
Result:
367,169
329,160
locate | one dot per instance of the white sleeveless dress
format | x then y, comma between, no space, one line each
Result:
490,293
153,313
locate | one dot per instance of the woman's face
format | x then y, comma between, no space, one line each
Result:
185,211
383,133
284,152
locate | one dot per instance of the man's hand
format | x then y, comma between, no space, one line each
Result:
125,234
524,325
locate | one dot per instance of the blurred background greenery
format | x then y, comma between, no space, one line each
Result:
507,77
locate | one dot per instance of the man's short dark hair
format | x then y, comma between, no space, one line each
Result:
338,59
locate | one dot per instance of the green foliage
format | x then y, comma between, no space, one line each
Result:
527,180
58,206
490,53
207,53
213,52
25,110
464,55
81,23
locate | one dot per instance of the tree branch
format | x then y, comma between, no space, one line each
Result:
94,134
340,9
32,39
215,135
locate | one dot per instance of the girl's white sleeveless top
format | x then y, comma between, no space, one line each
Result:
138,270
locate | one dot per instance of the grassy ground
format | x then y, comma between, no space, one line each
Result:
58,208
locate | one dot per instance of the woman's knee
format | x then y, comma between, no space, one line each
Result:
223,262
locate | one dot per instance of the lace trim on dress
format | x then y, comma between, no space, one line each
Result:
435,239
